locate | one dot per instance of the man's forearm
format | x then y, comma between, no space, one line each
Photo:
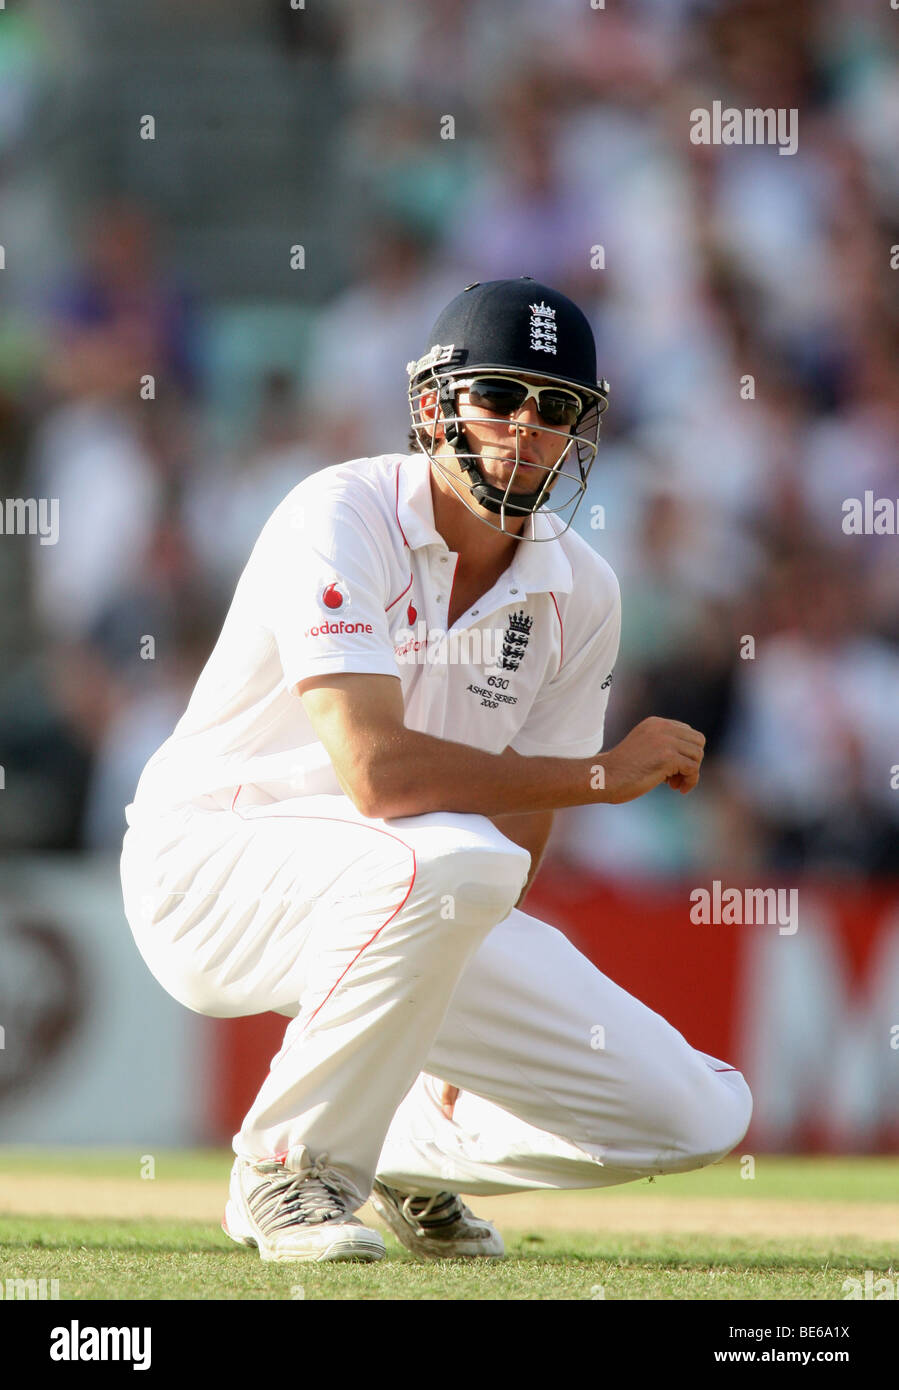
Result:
389,770
409,774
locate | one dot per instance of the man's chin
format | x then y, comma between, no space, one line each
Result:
529,477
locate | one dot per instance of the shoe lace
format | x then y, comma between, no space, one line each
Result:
284,1198
430,1213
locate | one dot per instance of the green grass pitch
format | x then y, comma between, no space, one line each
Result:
797,1230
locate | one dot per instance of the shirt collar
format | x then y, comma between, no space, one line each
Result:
414,505
537,566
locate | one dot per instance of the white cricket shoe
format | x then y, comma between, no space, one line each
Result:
436,1228
296,1216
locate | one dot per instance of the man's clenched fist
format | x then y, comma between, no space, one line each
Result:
657,750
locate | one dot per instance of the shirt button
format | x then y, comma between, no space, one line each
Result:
444,559
474,612
513,591
440,598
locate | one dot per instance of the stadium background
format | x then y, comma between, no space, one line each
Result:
321,128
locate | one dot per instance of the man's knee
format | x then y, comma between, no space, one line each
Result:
713,1119
474,883
196,988
732,1117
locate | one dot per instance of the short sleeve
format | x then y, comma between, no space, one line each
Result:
568,716
320,585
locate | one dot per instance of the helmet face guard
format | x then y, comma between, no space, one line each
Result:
560,488
498,333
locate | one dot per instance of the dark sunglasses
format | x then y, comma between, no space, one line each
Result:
504,394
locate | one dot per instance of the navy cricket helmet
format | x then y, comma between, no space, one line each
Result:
491,340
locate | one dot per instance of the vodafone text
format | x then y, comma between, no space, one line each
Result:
331,628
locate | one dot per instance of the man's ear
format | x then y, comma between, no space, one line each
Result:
429,412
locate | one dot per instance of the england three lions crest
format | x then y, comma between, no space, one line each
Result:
543,328
515,640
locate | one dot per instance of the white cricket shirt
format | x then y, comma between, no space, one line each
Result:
349,574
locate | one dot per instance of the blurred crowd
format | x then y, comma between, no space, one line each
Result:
746,315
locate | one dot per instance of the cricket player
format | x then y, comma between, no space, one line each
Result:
411,679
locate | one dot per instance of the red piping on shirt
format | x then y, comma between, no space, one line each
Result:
398,522
405,542
561,631
399,596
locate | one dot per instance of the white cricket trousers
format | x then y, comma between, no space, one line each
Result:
395,949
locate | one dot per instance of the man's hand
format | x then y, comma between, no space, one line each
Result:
657,750
448,1097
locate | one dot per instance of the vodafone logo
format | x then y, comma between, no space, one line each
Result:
336,628
411,614
334,596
